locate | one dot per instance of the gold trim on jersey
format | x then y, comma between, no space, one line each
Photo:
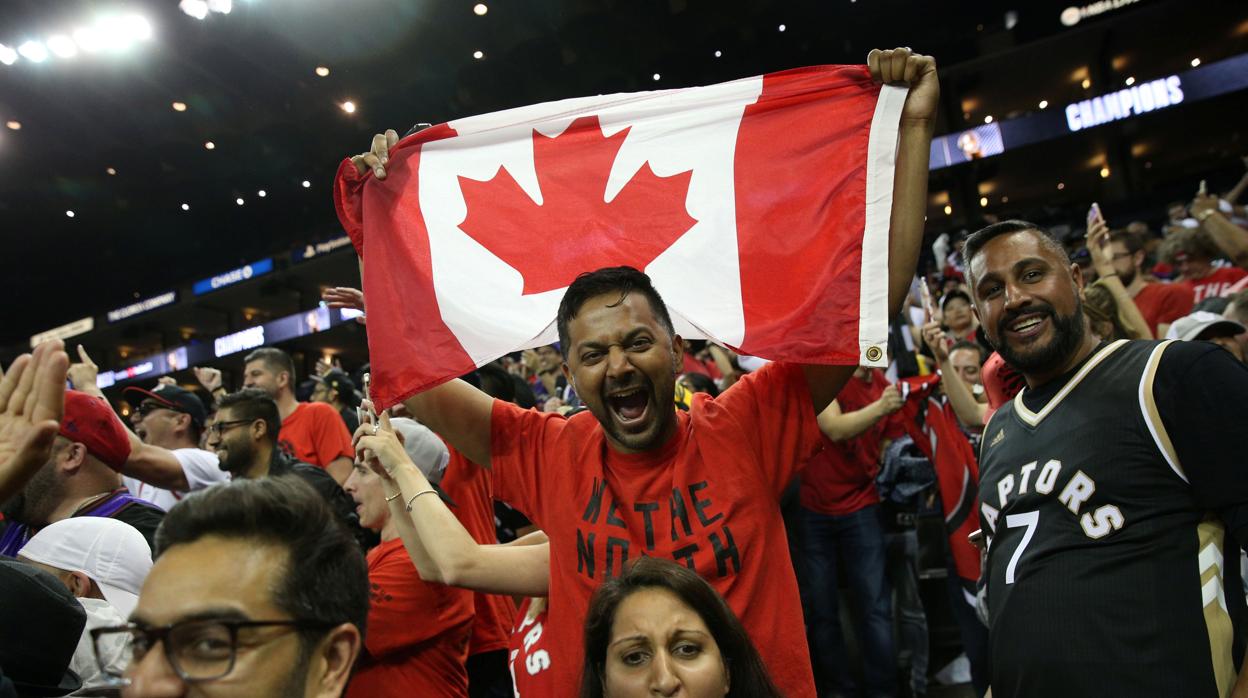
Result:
1211,536
1034,418
1152,416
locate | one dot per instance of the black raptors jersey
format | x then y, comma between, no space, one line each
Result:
1105,577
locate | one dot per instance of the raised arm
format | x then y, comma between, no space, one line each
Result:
32,400
843,426
1230,238
969,411
1103,262
152,464
439,545
905,234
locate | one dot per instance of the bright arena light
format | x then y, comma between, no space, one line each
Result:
69,214
33,51
239,201
221,6
8,55
480,9
478,55
89,39
262,193
186,207
14,125
657,77
111,171
62,46
348,107
210,145
179,106
306,184
322,71
195,8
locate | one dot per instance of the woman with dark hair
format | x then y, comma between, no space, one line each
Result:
662,627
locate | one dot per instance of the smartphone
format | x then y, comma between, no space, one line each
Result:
371,413
1094,214
1204,188
928,305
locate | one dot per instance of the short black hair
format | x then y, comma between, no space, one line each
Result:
252,404
975,241
955,293
973,346
1132,241
326,577
275,359
621,280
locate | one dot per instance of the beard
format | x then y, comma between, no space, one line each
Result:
1068,334
238,457
34,504
1126,277
661,404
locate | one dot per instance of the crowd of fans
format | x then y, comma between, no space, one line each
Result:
249,542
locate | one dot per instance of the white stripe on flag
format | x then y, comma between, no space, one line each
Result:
881,161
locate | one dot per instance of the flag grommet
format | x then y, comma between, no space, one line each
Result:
874,353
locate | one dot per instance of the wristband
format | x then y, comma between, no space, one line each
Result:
409,502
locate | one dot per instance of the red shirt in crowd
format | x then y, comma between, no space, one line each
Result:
708,498
1217,284
840,478
315,433
529,658
418,631
1162,304
468,485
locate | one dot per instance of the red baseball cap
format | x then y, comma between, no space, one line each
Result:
90,421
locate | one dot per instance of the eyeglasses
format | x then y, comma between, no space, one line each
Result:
216,429
197,650
1121,255
150,407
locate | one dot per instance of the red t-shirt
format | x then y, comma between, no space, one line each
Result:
529,655
708,498
1162,303
469,487
417,639
1217,284
315,433
840,478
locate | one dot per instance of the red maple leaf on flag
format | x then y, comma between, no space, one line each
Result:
574,229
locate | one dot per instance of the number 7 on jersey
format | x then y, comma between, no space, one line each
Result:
1028,519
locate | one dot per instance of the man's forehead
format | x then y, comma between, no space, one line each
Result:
1002,252
609,313
212,572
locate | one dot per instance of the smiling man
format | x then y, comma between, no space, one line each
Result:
1111,489
631,477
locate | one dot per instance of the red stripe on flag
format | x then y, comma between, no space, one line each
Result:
799,224
406,333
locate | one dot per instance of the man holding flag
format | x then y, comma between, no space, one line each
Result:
816,265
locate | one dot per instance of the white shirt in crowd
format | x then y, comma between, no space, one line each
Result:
202,469
100,614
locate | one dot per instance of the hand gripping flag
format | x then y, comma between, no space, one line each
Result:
759,207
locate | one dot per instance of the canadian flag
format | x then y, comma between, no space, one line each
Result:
759,207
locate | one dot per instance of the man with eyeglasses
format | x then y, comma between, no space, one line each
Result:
165,460
1159,303
80,478
244,437
257,590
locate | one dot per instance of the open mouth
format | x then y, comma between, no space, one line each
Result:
629,406
1028,326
